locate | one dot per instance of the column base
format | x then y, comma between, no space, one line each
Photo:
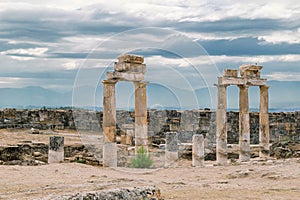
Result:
245,153
264,151
171,159
222,153
55,156
110,158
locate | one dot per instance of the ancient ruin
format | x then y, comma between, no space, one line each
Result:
249,76
56,149
128,68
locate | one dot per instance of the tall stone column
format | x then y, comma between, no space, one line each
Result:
221,122
244,124
264,122
140,107
109,124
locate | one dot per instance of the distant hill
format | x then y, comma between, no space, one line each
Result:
31,96
283,95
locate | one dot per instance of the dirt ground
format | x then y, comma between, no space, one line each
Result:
257,179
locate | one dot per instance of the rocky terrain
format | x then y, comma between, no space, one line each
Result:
26,174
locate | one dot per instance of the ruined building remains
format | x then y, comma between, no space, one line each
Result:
249,76
128,68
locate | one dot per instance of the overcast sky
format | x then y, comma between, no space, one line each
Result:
44,43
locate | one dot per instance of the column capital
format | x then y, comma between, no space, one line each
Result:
221,85
243,86
265,87
141,83
109,81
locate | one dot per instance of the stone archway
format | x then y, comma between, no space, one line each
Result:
128,68
250,76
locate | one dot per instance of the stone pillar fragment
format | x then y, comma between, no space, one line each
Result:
171,150
56,149
244,124
110,154
140,109
264,122
109,111
129,137
198,151
221,122
109,124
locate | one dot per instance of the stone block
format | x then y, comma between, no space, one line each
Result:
56,149
186,136
129,67
250,71
230,73
172,141
171,159
131,58
110,158
198,151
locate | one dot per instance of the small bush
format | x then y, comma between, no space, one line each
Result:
142,159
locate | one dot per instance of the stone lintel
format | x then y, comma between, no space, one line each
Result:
131,58
129,67
241,81
125,76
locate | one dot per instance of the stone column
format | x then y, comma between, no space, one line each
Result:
56,149
109,124
140,109
221,122
244,124
264,122
171,150
198,151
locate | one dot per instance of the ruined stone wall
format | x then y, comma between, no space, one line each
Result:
283,125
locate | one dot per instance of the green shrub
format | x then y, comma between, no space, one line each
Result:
142,159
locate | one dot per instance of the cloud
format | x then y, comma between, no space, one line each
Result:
287,36
45,43
25,53
70,65
247,46
257,59
283,76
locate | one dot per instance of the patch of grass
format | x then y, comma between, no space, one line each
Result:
142,159
82,161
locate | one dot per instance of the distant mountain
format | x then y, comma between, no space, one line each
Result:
32,96
283,96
